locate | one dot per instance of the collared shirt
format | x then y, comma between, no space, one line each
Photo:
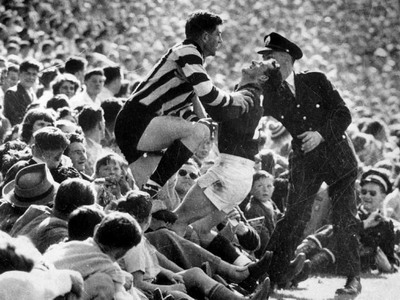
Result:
105,94
83,98
290,83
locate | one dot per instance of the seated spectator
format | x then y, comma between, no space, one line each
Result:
262,207
32,185
177,186
45,226
95,257
65,84
82,222
68,126
76,66
112,84
111,107
94,82
117,179
376,232
48,147
24,277
76,151
17,98
34,120
91,121
56,102
141,261
44,92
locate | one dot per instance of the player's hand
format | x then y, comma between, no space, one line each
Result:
310,140
244,99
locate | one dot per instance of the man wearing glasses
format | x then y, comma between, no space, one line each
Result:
18,97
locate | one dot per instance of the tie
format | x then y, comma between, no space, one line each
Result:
285,91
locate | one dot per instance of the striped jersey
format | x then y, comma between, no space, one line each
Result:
163,92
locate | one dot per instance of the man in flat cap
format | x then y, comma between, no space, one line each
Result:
316,116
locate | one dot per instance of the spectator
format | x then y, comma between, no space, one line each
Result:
94,257
34,120
91,120
44,92
24,277
48,146
32,185
76,66
261,205
18,97
141,261
66,84
82,222
391,204
76,151
111,108
94,82
112,83
45,226
57,102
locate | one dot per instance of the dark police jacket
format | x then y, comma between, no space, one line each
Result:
316,107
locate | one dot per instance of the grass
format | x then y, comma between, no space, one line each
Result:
374,287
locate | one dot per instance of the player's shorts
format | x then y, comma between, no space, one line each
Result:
228,182
129,127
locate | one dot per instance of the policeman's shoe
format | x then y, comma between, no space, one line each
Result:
351,288
303,275
294,269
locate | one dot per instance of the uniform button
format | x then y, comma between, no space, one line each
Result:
310,129
317,105
304,118
343,136
298,105
282,117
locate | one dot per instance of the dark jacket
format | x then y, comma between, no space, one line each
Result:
317,107
381,236
255,209
16,100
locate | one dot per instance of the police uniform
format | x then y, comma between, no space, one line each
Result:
316,106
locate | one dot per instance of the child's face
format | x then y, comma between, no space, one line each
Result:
112,169
262,189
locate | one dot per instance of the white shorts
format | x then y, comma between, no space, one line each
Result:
228,182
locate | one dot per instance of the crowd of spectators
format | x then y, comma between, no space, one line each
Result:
71,65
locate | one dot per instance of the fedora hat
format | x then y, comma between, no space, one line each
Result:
32,185
275,42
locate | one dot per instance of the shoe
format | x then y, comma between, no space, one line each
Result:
263,292
151,189
157,294
351,288
295,267
303,275
256,271
309,247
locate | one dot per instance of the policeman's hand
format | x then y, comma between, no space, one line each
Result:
310,140
244,99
